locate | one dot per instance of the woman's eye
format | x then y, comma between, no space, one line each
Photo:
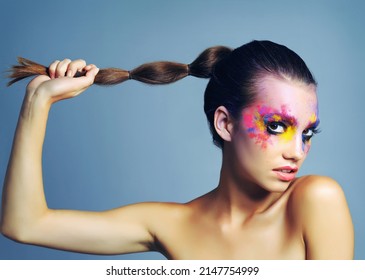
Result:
308,133
275,128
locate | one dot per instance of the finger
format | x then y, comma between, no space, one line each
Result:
92,71
62,67
89,66
89,77
84,81
52,69
74,66
75,86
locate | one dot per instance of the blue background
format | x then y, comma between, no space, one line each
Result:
132,142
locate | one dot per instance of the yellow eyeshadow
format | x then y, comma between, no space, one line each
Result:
313,118
288,134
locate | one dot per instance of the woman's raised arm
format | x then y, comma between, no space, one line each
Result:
25,214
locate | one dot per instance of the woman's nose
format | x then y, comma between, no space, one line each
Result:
294,149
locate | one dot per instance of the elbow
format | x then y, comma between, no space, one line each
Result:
15,233
23,229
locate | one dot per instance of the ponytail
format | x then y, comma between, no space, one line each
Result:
234,74
161,72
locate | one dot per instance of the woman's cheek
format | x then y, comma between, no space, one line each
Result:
306,147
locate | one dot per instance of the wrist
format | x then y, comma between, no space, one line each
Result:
35,103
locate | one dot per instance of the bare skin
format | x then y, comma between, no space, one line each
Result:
243,218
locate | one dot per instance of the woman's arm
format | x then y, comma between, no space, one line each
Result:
25,215
325,218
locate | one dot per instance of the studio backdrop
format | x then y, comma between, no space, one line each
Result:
130,143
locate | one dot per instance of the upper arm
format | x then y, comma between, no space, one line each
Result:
122,230
325,219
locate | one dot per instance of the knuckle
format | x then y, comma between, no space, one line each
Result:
63,63
78,63
54,64
82,61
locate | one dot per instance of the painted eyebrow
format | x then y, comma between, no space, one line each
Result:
313,124
288,119
284,118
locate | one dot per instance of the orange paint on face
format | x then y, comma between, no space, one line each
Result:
276,117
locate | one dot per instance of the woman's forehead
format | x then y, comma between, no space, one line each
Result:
286,95
283,100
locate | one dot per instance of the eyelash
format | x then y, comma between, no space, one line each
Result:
314,130
271,131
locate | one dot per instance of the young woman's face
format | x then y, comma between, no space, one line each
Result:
273,136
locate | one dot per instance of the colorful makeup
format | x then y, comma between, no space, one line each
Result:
312,128
255,125
262,122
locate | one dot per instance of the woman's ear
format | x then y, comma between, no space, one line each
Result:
223,123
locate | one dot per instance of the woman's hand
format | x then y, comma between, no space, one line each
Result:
61,82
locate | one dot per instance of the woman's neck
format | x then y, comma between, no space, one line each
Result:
239,200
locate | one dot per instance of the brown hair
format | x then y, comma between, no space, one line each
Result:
232,74
161,72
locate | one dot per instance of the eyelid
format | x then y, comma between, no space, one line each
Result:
314,129
278,123
314,126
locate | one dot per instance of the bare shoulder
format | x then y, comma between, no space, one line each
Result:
320,206
314,189
315,193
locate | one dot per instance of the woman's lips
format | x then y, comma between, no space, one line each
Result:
286,173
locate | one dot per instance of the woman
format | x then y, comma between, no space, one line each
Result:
261,105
